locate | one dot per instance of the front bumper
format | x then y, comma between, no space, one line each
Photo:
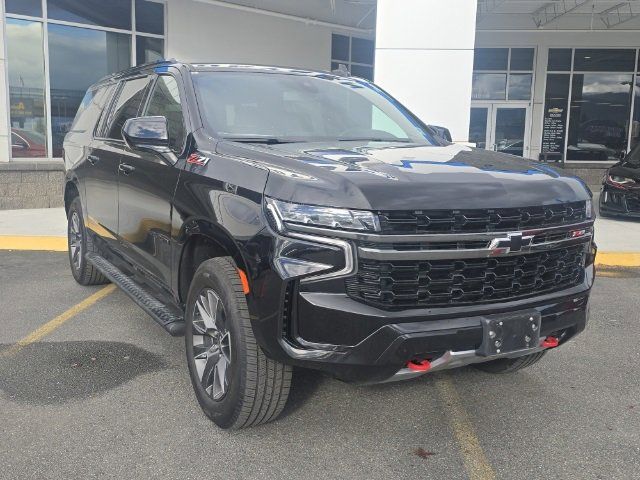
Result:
618,202
452,335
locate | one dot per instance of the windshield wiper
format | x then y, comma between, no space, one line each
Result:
259,139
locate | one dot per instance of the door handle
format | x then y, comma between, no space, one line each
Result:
126,168
93,159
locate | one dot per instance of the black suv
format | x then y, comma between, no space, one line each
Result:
280,217
620,192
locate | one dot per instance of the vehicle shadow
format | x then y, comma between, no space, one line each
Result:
56,372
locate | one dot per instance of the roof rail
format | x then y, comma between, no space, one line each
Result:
137,68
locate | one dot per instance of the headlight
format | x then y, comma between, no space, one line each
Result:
327,217
618,181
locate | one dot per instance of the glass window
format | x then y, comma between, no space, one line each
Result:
112,13
362,71
25,61
490,58
522,59
489,86
362,50
127,105
91,108
165,102
599,118
149,49
559,60
150,17
79,57
339,47
300,108
604,60
478,126
520,86
24,7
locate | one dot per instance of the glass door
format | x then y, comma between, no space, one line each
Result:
501,127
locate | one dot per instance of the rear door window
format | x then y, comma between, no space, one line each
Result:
91,108
127,105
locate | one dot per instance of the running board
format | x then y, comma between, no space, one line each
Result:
168,319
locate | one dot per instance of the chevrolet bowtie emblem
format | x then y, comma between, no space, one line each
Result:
514,242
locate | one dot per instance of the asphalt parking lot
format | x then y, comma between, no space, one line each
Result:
106,395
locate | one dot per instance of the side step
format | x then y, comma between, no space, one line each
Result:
169,319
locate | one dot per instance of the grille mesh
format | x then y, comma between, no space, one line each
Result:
405,284
481,220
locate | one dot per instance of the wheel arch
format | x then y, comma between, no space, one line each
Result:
202,241
71,191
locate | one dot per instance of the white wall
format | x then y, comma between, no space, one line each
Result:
4,94
424,58
200,32
542,41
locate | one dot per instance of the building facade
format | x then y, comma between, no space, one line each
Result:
551,80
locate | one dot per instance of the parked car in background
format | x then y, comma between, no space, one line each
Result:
283,218
27,144
620,192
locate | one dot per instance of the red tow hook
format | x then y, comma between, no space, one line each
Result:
419,365
550,342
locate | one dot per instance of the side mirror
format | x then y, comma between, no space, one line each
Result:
146,133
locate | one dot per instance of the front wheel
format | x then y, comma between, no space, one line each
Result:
508,365
236,385
79,244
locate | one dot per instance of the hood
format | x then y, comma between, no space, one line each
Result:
381,176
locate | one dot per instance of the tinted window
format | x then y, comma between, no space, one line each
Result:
362,50
25,61
79,57
149,49
340,47
489,86
490,58
24,7
91,108
111,13
299,107
127,105
522,59
362,71
149,17
559,59
165,102
604,60
519,86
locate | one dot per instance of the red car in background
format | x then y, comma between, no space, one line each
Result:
27,144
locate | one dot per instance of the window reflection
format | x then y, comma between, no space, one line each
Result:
599,116
520,86
635,126
149,49
78,57
111,13
25,59
489,86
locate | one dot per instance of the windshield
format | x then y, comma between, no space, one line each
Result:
633,156
273,107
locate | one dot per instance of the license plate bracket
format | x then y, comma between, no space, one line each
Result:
510,333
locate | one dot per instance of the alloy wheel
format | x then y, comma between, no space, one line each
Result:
211,344
75,240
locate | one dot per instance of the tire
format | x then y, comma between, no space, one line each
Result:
79,243
236,385
509,365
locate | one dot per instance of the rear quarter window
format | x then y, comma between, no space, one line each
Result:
91,108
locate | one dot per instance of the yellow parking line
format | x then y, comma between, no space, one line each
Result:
51,325
473,457
23,242
618,259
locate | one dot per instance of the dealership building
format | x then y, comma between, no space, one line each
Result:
554,80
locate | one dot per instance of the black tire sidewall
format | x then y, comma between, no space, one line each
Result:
225,411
